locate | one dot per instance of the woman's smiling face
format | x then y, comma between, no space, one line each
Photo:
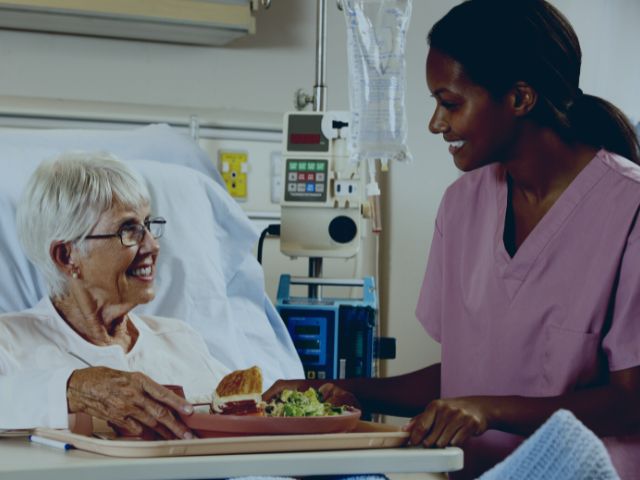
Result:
113,274
477,127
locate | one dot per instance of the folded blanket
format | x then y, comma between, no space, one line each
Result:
562,448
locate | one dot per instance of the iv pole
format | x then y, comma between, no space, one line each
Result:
319,101
319,105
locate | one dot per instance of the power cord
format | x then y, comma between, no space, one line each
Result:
272,230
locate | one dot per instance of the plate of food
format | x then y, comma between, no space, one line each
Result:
237,409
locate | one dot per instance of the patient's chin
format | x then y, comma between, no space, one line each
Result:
149,295
142,296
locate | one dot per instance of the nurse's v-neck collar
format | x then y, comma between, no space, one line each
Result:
76,342
514,269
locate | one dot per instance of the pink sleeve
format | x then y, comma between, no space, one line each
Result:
429,309
622,342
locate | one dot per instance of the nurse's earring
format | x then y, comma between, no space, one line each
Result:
74,274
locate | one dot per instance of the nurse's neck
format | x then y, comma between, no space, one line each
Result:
542,165
539,170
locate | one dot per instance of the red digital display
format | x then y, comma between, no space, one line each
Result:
304,138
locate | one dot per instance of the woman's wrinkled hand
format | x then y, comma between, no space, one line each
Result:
129,400
449,422
337,396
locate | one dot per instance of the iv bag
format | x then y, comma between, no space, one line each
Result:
376,34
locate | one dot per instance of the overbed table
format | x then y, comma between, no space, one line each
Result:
20,459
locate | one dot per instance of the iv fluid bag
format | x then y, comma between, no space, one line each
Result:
376,34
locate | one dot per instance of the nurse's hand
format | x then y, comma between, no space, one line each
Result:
337,396
449,422
280,385
330,392
130,401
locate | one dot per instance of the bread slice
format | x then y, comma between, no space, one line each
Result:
239,393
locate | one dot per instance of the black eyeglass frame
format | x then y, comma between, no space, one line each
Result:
144,228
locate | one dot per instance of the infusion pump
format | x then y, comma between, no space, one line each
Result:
323,190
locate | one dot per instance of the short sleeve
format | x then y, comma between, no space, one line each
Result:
621,343
429,309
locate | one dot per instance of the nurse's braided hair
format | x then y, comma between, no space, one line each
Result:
501,42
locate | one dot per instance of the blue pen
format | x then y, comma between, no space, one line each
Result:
50,443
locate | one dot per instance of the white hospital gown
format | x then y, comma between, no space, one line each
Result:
36,360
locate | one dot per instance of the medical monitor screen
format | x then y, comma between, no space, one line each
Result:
304,138
304,133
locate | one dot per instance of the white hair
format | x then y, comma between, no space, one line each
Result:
63,201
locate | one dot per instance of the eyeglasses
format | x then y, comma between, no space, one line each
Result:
132,235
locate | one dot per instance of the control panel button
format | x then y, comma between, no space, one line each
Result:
305,180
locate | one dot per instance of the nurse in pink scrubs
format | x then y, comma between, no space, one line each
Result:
533,281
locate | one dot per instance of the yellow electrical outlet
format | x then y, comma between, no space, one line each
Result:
234,167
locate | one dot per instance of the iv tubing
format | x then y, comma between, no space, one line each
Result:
373,194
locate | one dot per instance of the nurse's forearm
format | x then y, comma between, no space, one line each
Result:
402,395
608,410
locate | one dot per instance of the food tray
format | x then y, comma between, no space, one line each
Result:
366,435
211,425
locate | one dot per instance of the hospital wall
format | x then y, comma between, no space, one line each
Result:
261,73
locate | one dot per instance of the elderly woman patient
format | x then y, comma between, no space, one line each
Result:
85,220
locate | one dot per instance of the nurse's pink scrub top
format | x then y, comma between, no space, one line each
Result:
552,319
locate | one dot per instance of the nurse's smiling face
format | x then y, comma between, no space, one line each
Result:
477,127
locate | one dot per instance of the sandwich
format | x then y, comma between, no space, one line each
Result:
239,393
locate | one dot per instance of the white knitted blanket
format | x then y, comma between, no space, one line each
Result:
562,448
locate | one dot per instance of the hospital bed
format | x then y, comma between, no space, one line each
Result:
207,273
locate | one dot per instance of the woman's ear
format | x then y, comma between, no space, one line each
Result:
60,253
523,98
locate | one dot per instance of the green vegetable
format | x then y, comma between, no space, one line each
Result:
290,403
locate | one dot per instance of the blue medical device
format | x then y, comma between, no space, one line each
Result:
333,336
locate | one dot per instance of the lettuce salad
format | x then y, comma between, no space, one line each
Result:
290,403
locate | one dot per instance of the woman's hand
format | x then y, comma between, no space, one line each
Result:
128,400
449,422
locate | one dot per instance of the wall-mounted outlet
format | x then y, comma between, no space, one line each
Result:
234,167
